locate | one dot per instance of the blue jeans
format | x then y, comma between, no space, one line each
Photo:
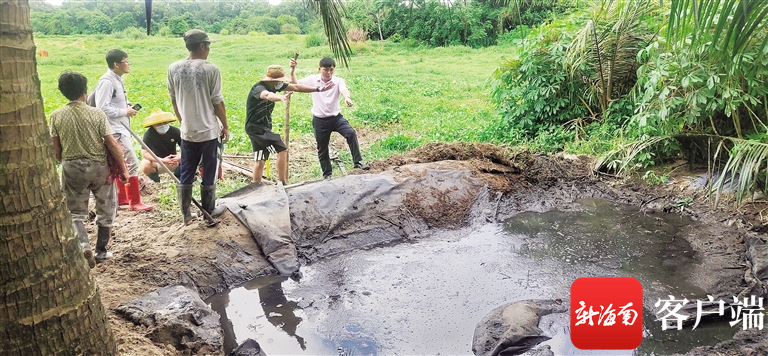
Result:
191,154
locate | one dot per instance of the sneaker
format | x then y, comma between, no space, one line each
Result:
363,166
103,256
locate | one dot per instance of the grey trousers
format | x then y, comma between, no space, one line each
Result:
81,177
129,155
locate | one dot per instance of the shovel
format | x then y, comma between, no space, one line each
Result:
208,217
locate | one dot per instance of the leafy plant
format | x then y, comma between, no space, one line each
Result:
744,169
652,178
314,40
603,53
682,203
533,94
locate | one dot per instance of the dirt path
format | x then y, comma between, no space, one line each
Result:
152,251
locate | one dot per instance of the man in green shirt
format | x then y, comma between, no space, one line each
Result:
80,135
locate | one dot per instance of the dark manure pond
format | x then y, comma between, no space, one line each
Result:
426,295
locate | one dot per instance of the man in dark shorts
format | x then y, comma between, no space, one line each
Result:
162,139
258,122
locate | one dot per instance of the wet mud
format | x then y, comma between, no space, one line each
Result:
150,254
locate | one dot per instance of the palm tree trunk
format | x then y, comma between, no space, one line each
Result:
49,304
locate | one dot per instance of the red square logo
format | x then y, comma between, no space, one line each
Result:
606,313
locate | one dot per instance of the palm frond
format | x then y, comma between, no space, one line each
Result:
746,165
619,159
729,25
604,51
331,12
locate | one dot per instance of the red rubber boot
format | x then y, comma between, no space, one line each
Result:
135,196
122,193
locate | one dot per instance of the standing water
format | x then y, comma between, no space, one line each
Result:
427,296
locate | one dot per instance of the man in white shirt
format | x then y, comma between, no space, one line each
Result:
110,97
194,85
326,114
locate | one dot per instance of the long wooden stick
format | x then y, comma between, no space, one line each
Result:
211,221
287,132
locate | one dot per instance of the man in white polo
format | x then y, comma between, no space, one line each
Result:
326,114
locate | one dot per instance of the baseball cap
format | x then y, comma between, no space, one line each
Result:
196,36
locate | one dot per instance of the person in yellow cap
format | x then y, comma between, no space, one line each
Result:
162,139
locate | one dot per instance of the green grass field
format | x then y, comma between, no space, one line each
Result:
408,96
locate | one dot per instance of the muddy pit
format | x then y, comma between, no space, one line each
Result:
396,286
426,296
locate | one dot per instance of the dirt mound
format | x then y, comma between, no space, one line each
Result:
442,151
503,168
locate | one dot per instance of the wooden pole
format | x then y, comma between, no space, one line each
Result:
287,126
211,221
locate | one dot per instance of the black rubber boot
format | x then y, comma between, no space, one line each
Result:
208,197
184,192
102,239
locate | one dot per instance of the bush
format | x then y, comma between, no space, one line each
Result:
134,33
165,31
534,94
224,32
314,39
410,43
395,38
289,28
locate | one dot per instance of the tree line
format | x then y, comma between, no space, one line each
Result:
473,23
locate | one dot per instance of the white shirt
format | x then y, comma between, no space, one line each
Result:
325,104
195,84
111,99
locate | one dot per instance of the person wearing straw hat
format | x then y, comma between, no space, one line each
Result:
162,139
258,118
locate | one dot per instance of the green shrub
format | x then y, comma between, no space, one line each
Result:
134,33
224,32
395,38
534,94
314,39
165,31
410,43
289,28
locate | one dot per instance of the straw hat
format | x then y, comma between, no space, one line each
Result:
158,117
275,73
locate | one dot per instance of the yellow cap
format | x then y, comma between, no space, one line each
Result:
158,117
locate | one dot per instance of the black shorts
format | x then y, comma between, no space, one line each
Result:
265,143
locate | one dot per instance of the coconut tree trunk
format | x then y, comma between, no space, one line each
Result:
49,304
